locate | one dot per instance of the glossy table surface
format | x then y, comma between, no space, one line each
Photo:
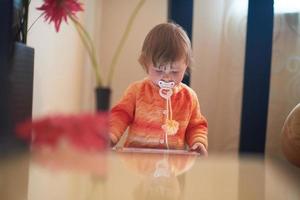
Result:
146,174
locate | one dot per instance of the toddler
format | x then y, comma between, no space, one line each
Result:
160,111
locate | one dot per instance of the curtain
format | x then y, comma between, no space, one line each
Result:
217,75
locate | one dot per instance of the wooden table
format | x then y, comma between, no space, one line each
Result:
143,174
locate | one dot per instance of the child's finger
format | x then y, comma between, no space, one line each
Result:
195,146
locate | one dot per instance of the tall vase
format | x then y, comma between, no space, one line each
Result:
103,98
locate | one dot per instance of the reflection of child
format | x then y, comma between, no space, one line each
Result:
159,173
155,164
161,112
158,188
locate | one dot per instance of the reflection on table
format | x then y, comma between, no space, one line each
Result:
156,174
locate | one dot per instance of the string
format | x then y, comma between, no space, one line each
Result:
170,126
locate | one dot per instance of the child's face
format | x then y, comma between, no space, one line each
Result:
170,72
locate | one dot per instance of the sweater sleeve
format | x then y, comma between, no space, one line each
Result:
122,114
197,128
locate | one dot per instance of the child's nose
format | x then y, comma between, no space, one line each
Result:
166,77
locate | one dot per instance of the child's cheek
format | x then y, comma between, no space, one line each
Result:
154,79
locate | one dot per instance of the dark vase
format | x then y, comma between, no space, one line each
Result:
103,105
103,98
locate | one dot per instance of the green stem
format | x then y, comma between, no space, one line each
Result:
122,41
88,43
85,33
34,22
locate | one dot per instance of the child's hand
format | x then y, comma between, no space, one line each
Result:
113,140
200,148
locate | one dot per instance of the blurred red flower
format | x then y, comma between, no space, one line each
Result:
58,10
85,132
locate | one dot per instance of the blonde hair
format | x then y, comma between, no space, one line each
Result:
165,43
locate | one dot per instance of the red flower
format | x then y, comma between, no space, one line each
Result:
85,132
58,10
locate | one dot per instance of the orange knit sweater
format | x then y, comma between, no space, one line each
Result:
143,110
